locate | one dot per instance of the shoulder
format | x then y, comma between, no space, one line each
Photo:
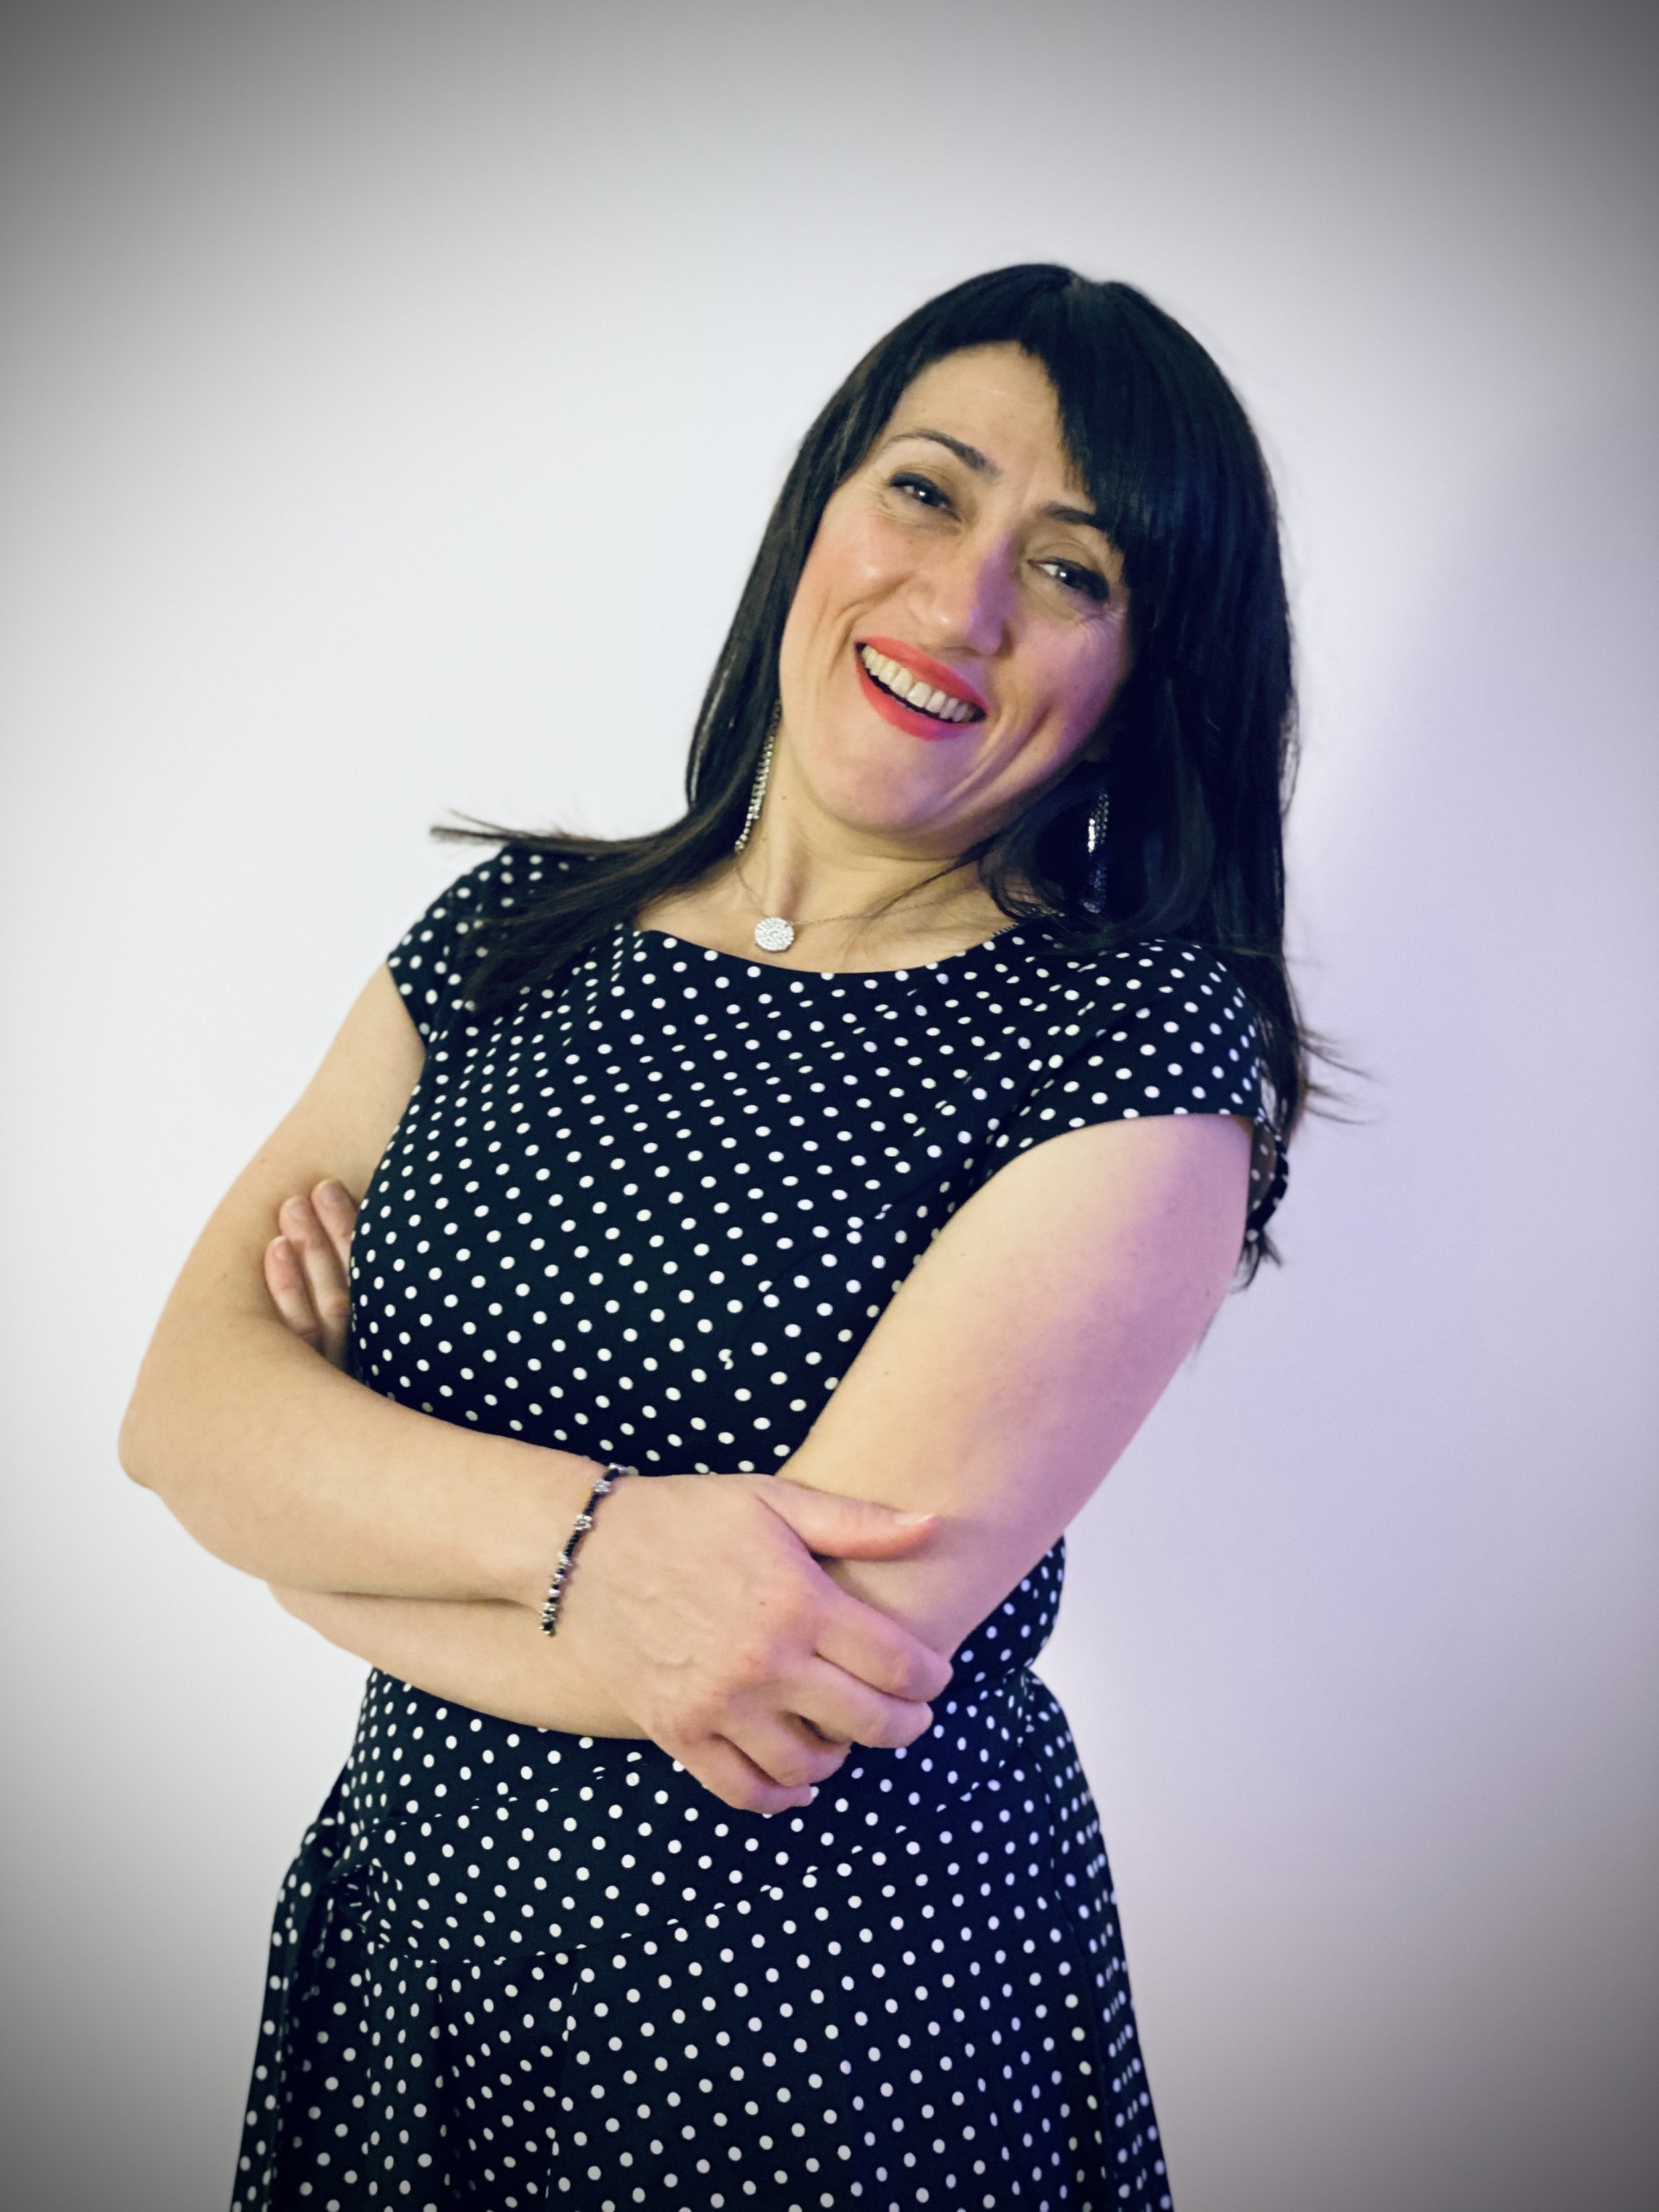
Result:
1161,1027
1133,996
434,959
1128,976
1157,1027
492,889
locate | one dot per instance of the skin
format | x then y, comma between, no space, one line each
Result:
756,1626
973,565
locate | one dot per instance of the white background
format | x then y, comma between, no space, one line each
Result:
394,396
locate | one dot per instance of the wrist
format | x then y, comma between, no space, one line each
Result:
548,1492
604,1482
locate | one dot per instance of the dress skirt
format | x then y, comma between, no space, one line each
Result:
515,1968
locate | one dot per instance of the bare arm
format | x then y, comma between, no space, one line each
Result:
1026,1349
478,1655
278,1463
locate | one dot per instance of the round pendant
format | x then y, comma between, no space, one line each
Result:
774,934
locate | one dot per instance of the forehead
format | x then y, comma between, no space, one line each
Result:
997,398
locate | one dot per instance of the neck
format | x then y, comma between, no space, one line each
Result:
855,888
809,867
851,899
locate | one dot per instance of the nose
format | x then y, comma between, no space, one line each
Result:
965,595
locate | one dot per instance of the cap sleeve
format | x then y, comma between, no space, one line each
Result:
1153,1029
432,964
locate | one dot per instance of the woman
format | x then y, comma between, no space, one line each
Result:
880,1138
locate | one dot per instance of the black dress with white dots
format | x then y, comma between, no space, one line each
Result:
650,1214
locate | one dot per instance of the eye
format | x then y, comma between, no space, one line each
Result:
1088,582
915,486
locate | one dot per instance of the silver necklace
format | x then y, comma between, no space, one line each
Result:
773,933
776,933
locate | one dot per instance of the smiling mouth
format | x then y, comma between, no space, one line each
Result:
914,691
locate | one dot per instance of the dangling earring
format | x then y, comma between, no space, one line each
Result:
1094,894
762,775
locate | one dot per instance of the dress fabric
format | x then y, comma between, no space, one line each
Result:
650,1214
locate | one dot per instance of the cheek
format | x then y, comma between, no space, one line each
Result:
1083,684
853,559
1109,672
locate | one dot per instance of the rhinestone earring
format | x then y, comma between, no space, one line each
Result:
1094,894
762,776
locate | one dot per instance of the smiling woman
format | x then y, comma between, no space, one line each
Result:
980,552
876,1140
973,536
1169,818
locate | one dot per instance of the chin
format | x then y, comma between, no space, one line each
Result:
878,805
875,780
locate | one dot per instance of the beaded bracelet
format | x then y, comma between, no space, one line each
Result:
602,1488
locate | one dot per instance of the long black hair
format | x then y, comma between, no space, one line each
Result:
1201,750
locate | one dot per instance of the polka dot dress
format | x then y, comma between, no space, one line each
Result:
650,1214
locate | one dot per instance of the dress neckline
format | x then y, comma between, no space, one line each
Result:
761,967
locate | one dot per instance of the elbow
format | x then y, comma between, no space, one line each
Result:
141,1446
131,1446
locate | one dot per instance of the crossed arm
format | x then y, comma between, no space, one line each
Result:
753,1626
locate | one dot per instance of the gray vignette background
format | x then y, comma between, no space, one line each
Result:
393,396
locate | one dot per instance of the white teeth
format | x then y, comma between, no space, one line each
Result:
912,688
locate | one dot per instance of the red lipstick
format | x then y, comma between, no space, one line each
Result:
924,665
895,710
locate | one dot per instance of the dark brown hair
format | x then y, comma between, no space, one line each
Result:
1201,749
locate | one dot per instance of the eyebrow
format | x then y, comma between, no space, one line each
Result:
983,465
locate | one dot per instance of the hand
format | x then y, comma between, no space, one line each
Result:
706,1613
308,1268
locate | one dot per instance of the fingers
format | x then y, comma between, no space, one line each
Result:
787,1753
877,1651
847,1528
843,1710
317,1251
774,1763
879,1655
336,1209
735,1779
291,1293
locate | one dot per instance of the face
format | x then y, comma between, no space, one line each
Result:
961,624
